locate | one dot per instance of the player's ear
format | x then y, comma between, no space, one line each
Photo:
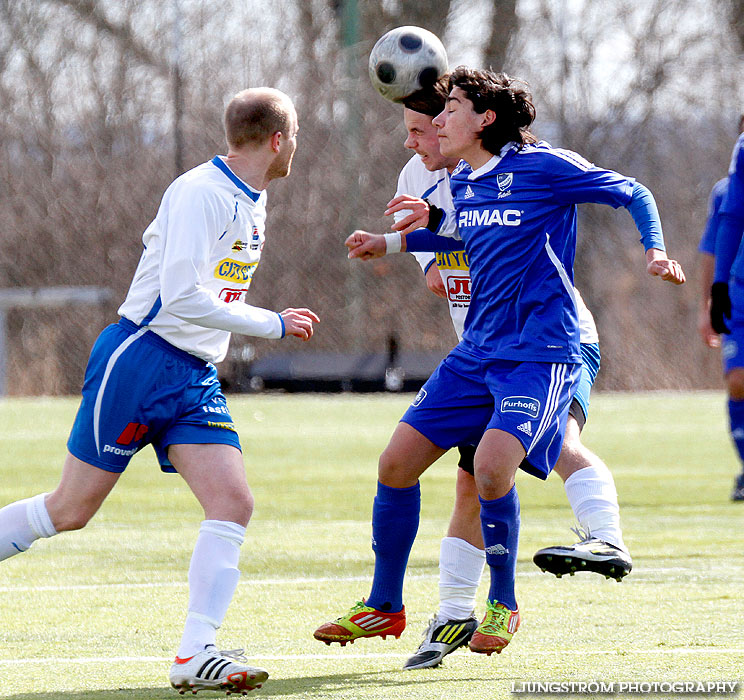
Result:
487,118
276,141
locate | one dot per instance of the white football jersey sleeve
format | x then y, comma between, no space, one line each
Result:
200,254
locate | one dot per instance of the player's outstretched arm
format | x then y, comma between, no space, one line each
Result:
366,246
299,322
659,265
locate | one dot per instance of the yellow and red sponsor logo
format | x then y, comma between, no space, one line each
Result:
235,271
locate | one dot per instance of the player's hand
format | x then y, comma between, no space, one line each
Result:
418,218
434,281
366,246
720,307
299,322
658,265
708,335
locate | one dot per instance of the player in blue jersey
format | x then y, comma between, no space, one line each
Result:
150,377
727,298
588,482
510,381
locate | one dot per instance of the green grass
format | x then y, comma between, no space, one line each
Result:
97,614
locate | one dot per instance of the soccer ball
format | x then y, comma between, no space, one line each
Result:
404,60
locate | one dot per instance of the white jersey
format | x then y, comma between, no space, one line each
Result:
416,180
200,255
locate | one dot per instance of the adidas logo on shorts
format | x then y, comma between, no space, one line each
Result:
526,428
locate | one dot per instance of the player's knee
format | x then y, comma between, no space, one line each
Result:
241,507
391,469
574,456
492,481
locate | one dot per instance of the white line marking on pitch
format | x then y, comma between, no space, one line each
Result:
356,657
184,584
247,581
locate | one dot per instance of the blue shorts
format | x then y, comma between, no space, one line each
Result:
139,390
590,360
467,395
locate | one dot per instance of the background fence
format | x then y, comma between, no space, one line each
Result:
104,102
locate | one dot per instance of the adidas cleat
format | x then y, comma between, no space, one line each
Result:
591,554
738,493
495,632
441,637
215,670
362,621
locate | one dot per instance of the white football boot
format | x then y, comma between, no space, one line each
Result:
216,670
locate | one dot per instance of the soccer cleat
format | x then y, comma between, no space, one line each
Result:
496,630
216,670
590,554
362,621
738,493
441,637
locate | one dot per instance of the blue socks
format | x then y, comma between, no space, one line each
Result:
500,524
736,422
395,520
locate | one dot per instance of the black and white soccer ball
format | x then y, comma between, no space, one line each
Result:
405,60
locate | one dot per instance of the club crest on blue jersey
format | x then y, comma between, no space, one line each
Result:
521,404
504,181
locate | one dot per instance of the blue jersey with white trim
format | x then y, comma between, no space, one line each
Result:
517,218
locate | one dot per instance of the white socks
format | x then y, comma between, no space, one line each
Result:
23,522
460,569
213,577
593,497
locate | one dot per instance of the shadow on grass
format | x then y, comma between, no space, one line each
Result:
274,688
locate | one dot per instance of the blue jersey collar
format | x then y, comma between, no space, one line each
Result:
242,186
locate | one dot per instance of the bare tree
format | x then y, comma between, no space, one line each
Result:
86,144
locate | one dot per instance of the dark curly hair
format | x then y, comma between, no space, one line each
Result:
430,100
508,97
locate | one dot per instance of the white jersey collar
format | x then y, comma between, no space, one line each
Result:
492,162
243,186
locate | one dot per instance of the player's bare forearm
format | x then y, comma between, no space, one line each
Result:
659,265
363,245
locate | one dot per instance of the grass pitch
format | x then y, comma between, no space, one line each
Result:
97,614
